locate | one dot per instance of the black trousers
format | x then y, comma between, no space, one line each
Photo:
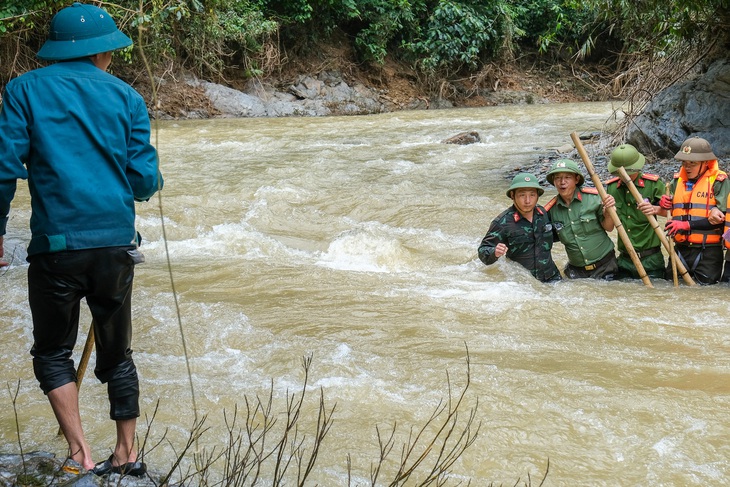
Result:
56,284
704,264
605,268
726,270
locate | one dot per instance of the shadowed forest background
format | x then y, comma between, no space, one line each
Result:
458,50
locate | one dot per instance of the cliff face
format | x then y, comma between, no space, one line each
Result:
699,107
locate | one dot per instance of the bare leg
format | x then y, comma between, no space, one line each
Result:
124,451
65,403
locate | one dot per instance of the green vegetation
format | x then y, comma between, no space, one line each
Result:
439,38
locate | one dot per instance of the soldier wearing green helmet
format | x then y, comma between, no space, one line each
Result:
523,232
632,214
580,221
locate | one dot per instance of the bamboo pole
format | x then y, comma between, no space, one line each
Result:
611,211
668,243
84,361
88,347
673,256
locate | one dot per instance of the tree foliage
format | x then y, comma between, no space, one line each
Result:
459,34
21,16
548,24
661,25
210,37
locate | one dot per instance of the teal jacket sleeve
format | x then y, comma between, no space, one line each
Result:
14,146
142,164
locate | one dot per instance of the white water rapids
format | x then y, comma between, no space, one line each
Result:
354,239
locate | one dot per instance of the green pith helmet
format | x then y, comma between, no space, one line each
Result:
695,149
524,180
565,165
626,156
81,30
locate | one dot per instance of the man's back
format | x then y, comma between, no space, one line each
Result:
84,140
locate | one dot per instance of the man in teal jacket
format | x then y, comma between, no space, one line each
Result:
81,137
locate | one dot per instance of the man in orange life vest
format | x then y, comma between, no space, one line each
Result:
700,193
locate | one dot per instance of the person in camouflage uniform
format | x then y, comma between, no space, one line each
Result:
522,232
632,214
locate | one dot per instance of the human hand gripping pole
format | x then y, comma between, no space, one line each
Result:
666,201
673,227
611,211
676,263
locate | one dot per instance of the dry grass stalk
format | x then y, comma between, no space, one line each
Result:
639,77
443,448
263,452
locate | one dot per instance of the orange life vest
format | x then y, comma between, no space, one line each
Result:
695,204
726,235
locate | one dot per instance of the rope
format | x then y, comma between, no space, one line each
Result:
155,103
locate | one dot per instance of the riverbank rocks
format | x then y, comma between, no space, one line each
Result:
700,107
326,94
43,468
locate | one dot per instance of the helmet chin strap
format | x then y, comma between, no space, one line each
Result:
702,169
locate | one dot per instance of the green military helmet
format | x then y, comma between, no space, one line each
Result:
628,157
81,30
565,165
524,180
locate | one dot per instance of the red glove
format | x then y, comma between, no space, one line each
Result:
666,202
674,226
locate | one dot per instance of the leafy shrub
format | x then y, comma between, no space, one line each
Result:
386,21
225,29
459,33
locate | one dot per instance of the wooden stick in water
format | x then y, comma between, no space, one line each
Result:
611,211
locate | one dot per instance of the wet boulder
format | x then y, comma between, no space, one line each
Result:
463,138
699,107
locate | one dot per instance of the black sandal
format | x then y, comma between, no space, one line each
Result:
134,469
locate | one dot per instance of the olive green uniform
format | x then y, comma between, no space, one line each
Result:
578,225
643,238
